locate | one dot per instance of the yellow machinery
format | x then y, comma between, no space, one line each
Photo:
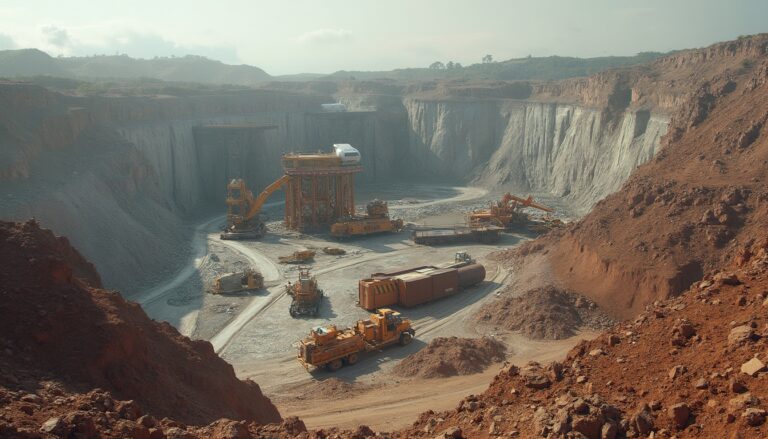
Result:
243,220
506,213
306,296
297,257
376,220
331,347
236,282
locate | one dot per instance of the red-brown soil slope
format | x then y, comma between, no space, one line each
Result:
56,325
692,366
684,212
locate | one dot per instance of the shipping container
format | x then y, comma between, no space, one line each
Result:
377,294
470,275
397,272
444,282
415,289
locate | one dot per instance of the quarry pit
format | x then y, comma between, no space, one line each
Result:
255,333
162,168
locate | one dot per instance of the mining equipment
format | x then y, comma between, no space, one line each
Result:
414,286
545,224
334,251
376,220
237,282
297,257
306,296
243,210
319,191
332,348
507,212
483,233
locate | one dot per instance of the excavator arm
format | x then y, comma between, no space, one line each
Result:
526,202
255,205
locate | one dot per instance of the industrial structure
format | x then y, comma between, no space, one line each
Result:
321,188
319,191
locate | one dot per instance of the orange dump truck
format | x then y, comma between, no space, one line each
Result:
332,348
414,286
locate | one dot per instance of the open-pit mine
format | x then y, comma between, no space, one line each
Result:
445,258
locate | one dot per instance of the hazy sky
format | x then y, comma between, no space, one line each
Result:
322,36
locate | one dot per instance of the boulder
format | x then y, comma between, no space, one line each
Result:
752,367
679,414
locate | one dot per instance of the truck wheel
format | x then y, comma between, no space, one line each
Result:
352,359
405,338
334,365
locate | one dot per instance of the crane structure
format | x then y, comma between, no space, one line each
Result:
319,191
507,212
243,209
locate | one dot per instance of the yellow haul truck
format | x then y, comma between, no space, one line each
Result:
332,348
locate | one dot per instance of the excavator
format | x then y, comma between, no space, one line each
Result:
506,213
243,219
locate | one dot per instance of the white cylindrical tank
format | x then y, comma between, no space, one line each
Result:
346,153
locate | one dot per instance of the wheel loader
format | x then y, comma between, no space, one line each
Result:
307,297
236,282
297,257
332,348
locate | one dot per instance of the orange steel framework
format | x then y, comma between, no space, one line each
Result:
320,192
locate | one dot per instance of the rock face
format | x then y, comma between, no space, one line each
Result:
531,146
673,219
157,162
58,326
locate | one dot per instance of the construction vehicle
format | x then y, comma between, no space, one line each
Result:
376,220
297,257
306,296
332,348
506,213
237,282
414,286
334,251
545,224
243,210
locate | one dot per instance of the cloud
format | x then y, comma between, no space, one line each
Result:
56,36
325,36
6,42
149,45
116,38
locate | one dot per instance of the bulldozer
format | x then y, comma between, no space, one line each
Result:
237,282
376,220
297,257
332,348
306,296
506,213
243,210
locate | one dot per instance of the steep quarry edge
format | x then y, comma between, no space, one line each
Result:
61,331
682,214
